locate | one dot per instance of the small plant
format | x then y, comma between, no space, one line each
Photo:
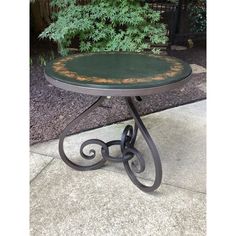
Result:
42,60
105,25
52,55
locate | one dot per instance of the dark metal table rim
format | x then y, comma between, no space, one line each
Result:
126,143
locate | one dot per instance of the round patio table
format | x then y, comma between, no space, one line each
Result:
117,74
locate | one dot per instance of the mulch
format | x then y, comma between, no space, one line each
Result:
52,108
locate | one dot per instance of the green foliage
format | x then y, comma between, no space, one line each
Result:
42,60
105,25
197,15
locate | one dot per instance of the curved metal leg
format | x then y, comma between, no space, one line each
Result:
152,147
94,141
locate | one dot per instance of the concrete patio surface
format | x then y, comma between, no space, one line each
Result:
105,201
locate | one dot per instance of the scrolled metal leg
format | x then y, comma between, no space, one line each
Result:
91,141
155,155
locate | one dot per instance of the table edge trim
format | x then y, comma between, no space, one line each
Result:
116,92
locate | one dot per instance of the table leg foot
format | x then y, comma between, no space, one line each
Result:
155,155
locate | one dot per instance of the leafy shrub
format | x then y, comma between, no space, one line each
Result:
197,15
105,25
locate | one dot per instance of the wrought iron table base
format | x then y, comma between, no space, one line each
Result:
128,151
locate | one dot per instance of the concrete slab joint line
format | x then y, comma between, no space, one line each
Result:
38,163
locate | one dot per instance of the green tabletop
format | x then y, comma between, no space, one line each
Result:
116,73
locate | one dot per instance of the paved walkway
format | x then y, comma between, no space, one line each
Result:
105,202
